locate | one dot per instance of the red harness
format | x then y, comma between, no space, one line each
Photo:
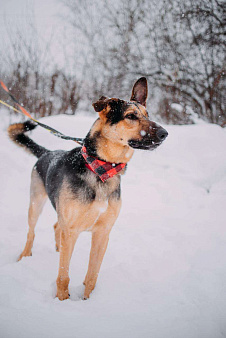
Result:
102,169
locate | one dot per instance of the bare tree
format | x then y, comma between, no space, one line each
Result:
195,45
177,44
33,76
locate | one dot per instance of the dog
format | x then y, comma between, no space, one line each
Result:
83,184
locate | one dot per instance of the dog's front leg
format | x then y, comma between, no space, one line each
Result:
68,238
100,237
98,248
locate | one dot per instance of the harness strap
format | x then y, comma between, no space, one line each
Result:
26,113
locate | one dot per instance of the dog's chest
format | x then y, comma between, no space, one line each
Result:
102,190
89,203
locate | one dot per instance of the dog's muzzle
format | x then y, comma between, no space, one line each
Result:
151,140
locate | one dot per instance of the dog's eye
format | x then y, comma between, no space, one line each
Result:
131,117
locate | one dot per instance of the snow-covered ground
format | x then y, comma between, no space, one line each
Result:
164,273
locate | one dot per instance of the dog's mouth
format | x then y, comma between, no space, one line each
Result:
145,145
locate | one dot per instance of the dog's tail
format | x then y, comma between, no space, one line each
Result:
16,133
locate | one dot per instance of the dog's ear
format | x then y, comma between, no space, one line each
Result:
140,91
100,104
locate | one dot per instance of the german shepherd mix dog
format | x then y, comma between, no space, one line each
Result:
83,184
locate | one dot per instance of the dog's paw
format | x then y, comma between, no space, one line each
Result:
62,295
62,287
89,287
24,254
87,292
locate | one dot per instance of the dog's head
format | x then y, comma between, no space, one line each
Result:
127,122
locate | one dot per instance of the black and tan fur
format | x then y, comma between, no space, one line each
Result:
82,201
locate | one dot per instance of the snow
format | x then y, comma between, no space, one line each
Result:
177,106
164,272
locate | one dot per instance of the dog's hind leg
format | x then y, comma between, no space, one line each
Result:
38,198
57,235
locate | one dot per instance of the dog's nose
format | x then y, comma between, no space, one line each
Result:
161,134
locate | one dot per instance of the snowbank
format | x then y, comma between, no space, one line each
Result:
164,271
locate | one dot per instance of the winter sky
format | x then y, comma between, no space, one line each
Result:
46,16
